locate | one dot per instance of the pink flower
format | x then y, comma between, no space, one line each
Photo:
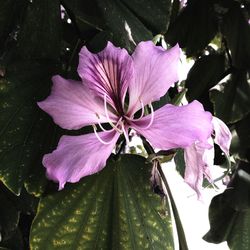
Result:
108,78
199,157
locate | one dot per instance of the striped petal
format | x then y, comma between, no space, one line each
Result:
72,105
79,156
108,72
156,70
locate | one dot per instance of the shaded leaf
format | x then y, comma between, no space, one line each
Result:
14,243
237,32
199,14
240,140
154,14
23,127
87,15
179,162
115,14
205,73
6,12
114,209
40,32
9,214
229,212
231,99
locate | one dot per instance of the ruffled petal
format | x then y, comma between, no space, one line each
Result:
223,135
78,156
155,71
176,127
107,72
72,105
198,159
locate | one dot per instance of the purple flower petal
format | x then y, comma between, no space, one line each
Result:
108,72
72,106
155,71
78,156
176,127
223,135
198,159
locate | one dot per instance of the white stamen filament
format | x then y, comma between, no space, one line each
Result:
107,116
125,134
142,111
152,116
102,128
98,137
151,119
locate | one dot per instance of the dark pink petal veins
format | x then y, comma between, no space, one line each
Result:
78,156
107,72
72,106
176,127
156,70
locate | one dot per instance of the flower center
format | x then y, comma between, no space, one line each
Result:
121,126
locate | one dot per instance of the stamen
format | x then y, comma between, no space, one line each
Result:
107,116
152,116
142,111
125,134
102,128
151,120
98,137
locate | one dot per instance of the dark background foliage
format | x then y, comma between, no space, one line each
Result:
38,40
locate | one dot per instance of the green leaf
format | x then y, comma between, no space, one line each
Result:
199,14
206,72
227,224
229,212
23,126
6,11
40,34
114,209
240,139
9,214
154,14
179,162
236,30
115,14
14,243
231,99
86,14
239,236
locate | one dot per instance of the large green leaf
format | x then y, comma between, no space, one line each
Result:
40,32
229,212
6,12
86,14
114,209
236,30
199,14
205,73
23,127
154,14
116,14
231,99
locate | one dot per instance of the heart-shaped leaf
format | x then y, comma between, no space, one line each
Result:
114,209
